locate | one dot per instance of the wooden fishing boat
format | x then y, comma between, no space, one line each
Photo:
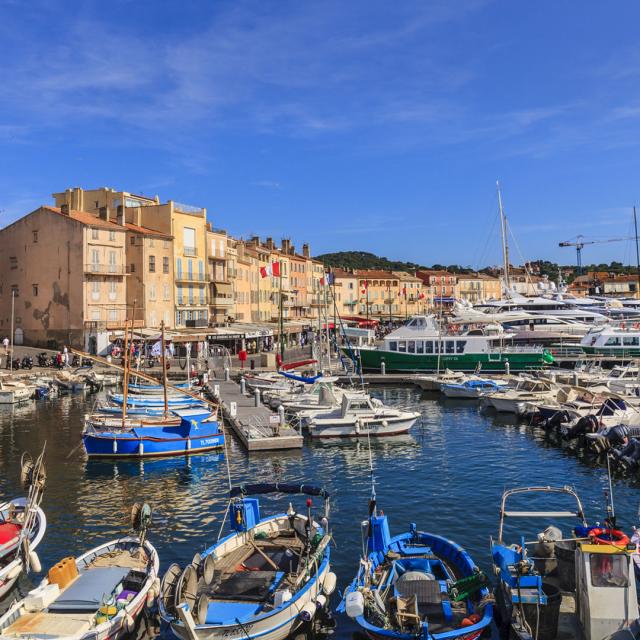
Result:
98,596
416,585
22,526
264,580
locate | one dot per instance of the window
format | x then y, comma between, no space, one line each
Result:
609,570
460,345
13,262
402,346
165,265
419,346
35,236
95,315
179,295
95,259
166,292
113,290
190,269
112,262
152,243
133,268
95,290
165,245
179,267
428,346
152,292
152,264
201,295
189,237
178,318
34,289
112,236
411,348
631,341
393,345
612,342
95,234
133,240
113,315
152,318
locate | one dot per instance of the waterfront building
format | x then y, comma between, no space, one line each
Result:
440,287
477,287
64,272
221,296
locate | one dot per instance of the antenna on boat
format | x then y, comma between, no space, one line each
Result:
611,511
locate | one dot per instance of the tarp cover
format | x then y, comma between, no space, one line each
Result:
253,489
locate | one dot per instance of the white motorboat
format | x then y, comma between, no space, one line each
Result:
98,596
358,416
473,388
517,400
15,391
434,381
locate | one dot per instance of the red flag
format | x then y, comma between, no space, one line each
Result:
322,282
404,291
421,296
272,270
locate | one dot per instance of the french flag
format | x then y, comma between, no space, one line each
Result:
272,270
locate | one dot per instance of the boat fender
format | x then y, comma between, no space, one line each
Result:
357,426
34,562
115,445
141,448
469,621
354,604
308,611
321,601
329,582
14,572
151,598
188,444
385,423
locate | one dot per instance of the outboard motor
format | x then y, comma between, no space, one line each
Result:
629,456
557,419
613,437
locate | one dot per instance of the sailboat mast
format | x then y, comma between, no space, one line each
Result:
164,371
505,241
635,225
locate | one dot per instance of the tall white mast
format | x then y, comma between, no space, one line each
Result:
505,241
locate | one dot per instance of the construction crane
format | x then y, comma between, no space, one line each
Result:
580,242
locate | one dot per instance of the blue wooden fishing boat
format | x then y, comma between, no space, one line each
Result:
264,580
153,401
187,432
416,585
155,388
146,411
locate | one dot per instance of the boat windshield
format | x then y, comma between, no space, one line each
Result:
609,570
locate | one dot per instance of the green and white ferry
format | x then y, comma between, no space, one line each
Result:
620,339
423,345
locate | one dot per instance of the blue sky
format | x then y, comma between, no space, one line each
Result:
361,125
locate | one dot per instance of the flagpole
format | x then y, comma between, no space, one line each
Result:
366,286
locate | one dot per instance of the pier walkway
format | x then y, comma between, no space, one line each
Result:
258,428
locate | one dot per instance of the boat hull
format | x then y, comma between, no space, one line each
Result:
365,430
495,362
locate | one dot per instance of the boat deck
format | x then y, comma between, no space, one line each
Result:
256,427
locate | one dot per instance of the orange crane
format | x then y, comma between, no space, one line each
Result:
580,242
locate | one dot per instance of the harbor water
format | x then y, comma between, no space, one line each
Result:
447,476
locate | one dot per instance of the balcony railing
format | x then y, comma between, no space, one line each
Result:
221,302
191,277
190,251
192,303
106,269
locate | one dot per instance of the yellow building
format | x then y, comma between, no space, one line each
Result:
65,271
185,223
477,287
221,298
150,280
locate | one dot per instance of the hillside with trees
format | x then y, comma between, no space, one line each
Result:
366,260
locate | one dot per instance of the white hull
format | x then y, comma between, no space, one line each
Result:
462,393
15,395
276,627
357,429
508,405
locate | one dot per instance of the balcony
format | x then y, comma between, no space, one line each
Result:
106,269
191,277
192,303
190,251
220,301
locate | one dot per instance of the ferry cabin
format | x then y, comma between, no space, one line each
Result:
613,340
421,345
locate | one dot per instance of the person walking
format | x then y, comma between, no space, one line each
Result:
65,356
5,344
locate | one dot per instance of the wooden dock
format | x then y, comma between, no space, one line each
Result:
258,428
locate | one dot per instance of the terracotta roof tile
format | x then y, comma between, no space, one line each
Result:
146,231
86,218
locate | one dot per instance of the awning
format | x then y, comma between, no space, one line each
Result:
223,287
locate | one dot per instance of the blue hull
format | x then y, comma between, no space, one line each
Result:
151,441
151,401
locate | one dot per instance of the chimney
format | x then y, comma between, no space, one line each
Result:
270,244
120,215
255,240
286,245
306,250
292,250
104,213
64,208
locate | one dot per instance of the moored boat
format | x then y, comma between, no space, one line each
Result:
416,585
98,596
423,345
190,431
264,580
472,389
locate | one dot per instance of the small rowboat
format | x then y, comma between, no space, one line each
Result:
97,596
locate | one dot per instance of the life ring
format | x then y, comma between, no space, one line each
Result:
616,537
